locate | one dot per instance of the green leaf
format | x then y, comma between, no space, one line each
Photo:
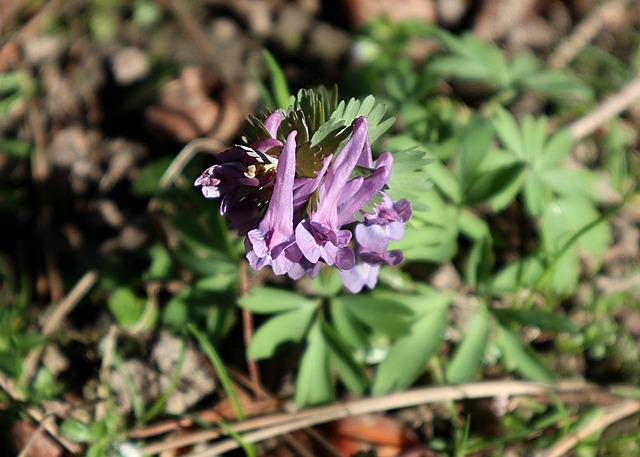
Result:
327,283
348,327
207,348
314,384
522,272
473,226
347,112
560,222
288,326
160,265
544,320
475,140
445,181
410,353
571,183
519,358
557,84
385,315
348,369
467,358
126,306
509,132
472,60
267,300
479,261
557,148
279,84
76,431
491,184
535,194
147,182
15,148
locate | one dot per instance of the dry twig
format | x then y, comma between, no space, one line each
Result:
586,31
609,108
55,320
47,421
612,414
262,428
37,415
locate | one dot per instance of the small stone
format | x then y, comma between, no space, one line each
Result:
129,65
42,49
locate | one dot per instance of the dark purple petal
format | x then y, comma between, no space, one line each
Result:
345,259
267,144
378,258
307,186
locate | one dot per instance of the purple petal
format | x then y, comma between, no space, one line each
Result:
279,216
272,123
339,172
356,201
265,145
366,158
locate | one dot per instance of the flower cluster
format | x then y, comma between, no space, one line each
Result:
294,223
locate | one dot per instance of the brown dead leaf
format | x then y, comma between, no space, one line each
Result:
42,446
362,11
386,436
185,111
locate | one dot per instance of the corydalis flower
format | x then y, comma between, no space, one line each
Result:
297,223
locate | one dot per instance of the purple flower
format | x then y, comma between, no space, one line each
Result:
273,243
386,224
250,168
321,236
295,224
372,238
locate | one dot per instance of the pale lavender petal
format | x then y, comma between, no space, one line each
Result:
210,191
307,243
329,253
395,230
272,123
372,237
363,274
258,242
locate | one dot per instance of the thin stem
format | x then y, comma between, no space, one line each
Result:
247,333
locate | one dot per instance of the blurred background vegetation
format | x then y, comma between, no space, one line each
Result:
127,314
